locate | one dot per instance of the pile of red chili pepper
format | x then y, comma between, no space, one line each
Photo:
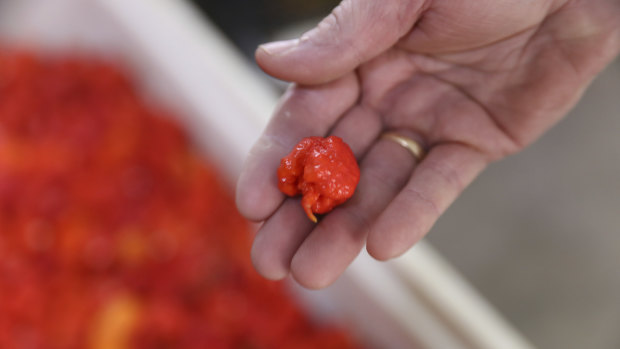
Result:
114,232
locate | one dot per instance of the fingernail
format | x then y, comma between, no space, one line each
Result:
279,47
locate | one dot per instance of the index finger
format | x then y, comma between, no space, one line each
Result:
304,111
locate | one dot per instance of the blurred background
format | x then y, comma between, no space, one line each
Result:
538,234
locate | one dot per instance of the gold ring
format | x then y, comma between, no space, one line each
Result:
414,147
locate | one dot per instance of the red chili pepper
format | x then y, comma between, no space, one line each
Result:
323,170
114,233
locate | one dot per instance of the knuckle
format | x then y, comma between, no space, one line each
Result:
447,174
416,195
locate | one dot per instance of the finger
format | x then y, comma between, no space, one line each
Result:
435,184
355,31
359,128
304,111
281,235
340,236
278,239
462,25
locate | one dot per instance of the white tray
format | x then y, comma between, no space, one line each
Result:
181,61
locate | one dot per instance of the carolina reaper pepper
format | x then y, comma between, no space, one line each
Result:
323,170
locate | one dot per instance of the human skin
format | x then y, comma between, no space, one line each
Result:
472,81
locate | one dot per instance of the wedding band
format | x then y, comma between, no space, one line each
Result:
414,147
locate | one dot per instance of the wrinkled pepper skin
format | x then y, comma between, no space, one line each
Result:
323,170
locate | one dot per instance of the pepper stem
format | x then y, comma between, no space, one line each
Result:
309,198
311,215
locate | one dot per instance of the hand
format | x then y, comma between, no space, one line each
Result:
473,81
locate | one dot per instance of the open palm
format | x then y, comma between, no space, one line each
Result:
472,81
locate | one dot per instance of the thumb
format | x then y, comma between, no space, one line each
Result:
355,31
